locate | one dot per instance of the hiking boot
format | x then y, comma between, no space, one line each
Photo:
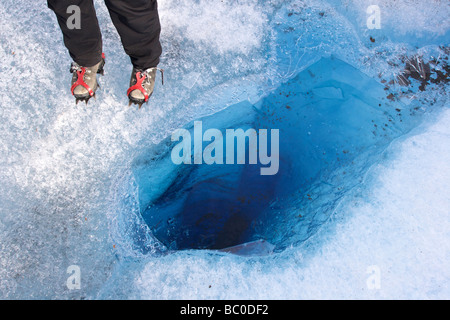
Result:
84,80
142,84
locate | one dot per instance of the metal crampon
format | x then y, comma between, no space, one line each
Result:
85,99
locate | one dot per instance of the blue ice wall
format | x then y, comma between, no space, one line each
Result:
333,123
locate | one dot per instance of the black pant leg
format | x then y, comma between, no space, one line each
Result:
137,23
84,44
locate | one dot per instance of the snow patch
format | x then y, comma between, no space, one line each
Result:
225,26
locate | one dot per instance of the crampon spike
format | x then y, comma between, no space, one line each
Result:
138,103
85,99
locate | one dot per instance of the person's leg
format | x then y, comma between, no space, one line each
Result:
137,23
84,44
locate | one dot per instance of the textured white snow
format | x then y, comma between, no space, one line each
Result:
408,16
239,27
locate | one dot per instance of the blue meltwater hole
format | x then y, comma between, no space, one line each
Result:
332,123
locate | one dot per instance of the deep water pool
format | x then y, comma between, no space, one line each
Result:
334,123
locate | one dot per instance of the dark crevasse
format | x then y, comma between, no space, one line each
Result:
333,123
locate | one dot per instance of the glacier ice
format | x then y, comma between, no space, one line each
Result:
363,187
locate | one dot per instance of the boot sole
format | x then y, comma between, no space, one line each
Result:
139,102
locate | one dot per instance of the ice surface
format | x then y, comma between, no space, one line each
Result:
69,185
